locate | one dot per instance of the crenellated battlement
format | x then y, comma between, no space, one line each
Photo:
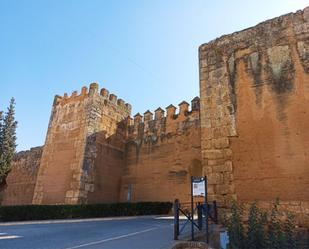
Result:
159,113
92,92
164,121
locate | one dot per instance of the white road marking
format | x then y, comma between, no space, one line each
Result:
113,238
10,237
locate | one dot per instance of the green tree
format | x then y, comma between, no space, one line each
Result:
261,227
1,133
256,227
289,231
275,233
7,142
235,228
252,227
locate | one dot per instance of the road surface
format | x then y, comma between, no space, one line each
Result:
111,233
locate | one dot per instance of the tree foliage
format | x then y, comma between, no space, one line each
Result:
256,228
235,227
274,231
7,141
263,230
289,227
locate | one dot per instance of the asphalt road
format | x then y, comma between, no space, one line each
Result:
118,233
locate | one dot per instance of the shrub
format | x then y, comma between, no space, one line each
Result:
275,233
43,212
263,230
289,227
256,228
235,227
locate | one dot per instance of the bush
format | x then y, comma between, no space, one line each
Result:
275,233
256,238
44,212
263,230
235,227
289,228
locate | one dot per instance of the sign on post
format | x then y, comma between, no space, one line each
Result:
199,186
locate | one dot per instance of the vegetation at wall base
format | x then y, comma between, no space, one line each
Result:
256,236
45,212
261,230
235,227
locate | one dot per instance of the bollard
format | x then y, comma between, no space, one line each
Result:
215,212
200,216
206,219
176,219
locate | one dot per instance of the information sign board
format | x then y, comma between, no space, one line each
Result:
198,185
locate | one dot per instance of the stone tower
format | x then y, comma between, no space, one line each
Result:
77,123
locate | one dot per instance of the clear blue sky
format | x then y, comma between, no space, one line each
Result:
143,51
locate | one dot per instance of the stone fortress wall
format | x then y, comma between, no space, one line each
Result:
162,152
94,152
254,89
247,133
77,123
22,179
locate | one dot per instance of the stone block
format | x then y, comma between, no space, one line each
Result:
224,189
207,144
207,170
228,153
211,189
229,165
212,162
221,143
69,194
214,154
221,168
215,178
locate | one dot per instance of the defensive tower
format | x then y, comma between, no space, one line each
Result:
77,123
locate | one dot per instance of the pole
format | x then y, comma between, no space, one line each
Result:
192,210
215,212
200,216
176,219
206,211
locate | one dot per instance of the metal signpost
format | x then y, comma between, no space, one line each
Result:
199,189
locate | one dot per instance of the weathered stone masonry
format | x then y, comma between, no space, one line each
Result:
162,153
22,179
66,173
94,151
254,88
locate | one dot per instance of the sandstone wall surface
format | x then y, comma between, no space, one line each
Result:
254,87
162,153
108,169
22,178
68,162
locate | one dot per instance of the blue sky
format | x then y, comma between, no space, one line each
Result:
143,51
